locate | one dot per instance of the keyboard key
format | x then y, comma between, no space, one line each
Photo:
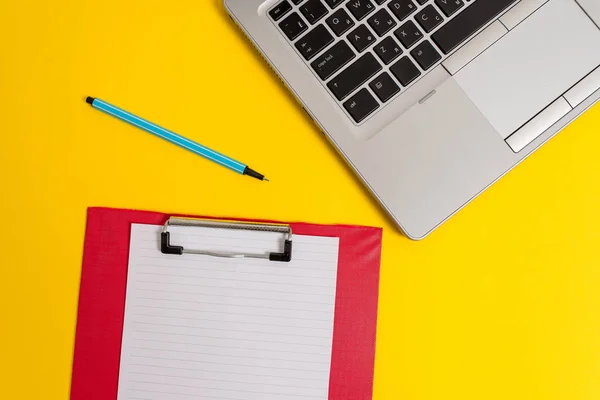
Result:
426,55
465,24
384,87
360,8
280,10
340,22
355,75
408,34
293,26
449,7
333,59
333,3
361,38
313,11
429,18
297,1
402,8
405,71
313,42
361,105
382,22
421,2
388,50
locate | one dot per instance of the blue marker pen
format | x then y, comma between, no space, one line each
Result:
175,138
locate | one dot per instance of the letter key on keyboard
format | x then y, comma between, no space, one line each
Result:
360,8
340,22
449,7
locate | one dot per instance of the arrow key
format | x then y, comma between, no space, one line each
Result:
449,7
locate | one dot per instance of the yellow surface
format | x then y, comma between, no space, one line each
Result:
502,302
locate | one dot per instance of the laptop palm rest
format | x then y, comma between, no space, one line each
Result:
533,65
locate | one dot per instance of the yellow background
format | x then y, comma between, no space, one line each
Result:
502,302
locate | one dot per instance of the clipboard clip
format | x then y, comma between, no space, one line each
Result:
167,248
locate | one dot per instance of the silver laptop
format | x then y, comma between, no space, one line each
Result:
431,101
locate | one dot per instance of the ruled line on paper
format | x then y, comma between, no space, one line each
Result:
194,397
253,306
225,389
220,363
254,270
191,276
225,313
227,329
228,287
266,291
218,337
214,380
217,295
213,371
224,347
235,322
187,351
202,273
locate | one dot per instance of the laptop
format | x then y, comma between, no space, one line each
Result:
431,101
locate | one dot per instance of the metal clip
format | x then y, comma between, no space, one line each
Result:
167,248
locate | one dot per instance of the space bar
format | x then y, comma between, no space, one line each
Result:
465,24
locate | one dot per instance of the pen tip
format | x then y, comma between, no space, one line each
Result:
250,172
266,180
89,100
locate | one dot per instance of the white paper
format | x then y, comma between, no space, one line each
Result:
200,327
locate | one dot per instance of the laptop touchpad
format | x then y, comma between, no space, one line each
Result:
533,65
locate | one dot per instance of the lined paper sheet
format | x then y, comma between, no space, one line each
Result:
199,327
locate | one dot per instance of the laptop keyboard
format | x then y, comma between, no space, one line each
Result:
366,52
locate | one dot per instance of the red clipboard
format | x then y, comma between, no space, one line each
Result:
102,304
